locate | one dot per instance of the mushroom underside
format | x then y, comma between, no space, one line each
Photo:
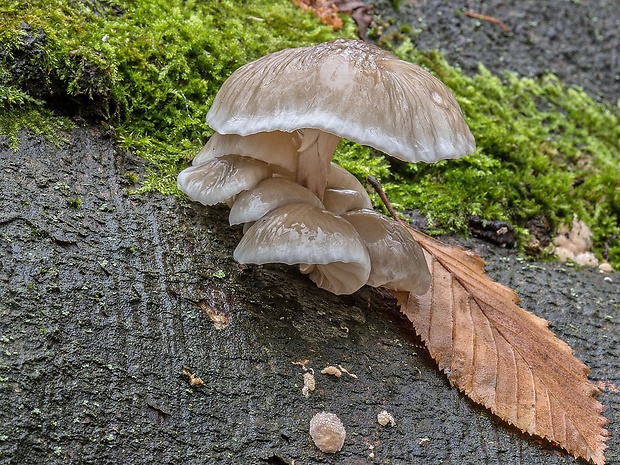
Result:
302,234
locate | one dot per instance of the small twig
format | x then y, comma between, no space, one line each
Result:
193,380
302,363
491,19
377,186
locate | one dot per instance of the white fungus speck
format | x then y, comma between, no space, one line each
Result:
332,370
384,418
574,244
309,384
327,432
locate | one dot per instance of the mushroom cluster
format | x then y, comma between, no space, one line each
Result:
278,121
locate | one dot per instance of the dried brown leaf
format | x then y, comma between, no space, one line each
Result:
503,356
327,11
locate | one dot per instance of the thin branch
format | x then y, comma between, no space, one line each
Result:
377,187
490,19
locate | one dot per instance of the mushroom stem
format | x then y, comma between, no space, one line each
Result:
315,155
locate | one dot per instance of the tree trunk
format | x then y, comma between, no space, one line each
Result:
106,296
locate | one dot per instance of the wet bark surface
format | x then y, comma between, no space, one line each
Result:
105,297
576,40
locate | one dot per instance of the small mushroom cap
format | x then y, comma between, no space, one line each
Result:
304,234
276,148
340,178
340,201
268,195
348,88
397,260
327,432
220,179
344,192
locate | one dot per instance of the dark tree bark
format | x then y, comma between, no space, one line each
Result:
573,39
106,296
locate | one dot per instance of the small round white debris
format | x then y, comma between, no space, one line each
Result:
332,370
606,268
327,432
309,384
384,418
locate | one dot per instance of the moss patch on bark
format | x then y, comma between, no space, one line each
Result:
150,69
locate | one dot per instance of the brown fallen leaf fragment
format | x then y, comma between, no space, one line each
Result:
503,356
326,10
359,11
220,320
193,380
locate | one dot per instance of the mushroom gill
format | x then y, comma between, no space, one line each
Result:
277,148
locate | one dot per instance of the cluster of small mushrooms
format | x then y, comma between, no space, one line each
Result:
278,121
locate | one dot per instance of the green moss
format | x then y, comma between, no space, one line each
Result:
150,69
39,120
75,203
132,178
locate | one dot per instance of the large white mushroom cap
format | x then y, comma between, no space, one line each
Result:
327,246
350,89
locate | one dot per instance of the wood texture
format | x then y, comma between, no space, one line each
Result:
102,305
